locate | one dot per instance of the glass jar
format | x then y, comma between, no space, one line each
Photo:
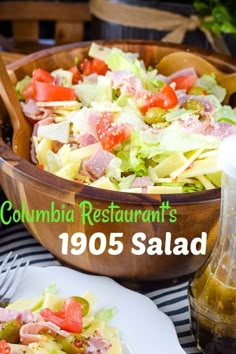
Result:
212,292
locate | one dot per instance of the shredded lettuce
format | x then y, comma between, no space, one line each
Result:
226,114
113,170
58,131
126,182
21,85
209,83
196,187
86,92
64,76
105,315
215,101
174,138
105,89
129,115
119,60
131,162
179,113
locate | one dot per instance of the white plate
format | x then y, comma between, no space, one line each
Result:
143,327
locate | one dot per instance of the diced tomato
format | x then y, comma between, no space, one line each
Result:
68,318
40,167
38,75
42,88
110,134
165,98
91,66
185,82
77,77
4,347
86,67
45,92
42,76
29,90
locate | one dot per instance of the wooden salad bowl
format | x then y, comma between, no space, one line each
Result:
29,188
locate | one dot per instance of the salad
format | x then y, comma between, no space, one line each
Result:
112,123
52,324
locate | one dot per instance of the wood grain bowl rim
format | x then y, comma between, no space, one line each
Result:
25,169
216,58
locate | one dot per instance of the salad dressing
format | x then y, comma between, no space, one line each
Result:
212,292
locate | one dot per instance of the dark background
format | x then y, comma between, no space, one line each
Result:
97,29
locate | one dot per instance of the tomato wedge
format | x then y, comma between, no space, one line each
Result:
42,88
110,134
42,76
38,75
165,98
28,91
185,82
68,318
45,92
4,347
91,66
76,75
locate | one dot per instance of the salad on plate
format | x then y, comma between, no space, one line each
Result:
53,324
111,122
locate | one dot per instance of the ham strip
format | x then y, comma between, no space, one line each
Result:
142,182
96,165
33,112
182,72
97,344
194,125
46,121
31,332
8,315
126,82
92,119
25,316
208,127
220,130
85,139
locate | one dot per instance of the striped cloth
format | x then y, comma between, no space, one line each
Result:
172,300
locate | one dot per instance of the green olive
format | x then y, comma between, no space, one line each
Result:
194,105
10,331
155,115
197,91
84,304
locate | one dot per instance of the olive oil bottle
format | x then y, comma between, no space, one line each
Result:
212,292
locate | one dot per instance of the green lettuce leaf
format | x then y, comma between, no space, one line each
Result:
226,114
196,187
21,85
113,170
209,83
179,113
126,182
59,131
105,315
65,76
175,138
